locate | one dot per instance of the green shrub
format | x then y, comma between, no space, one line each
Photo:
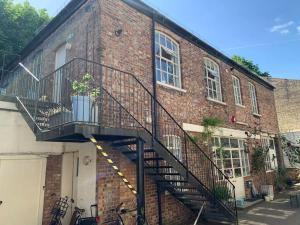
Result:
222,193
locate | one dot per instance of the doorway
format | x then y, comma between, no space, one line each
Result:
60,60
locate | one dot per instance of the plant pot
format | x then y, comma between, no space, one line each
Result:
60,118
268,198
84,109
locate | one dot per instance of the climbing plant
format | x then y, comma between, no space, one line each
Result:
259,159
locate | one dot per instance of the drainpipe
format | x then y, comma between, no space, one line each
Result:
154,116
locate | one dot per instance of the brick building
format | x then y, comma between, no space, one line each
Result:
158,78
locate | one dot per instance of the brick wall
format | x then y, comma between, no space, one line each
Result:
287,100
131,52
52,185
112,191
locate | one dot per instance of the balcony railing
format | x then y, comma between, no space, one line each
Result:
82,91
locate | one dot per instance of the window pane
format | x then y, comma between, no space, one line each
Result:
158,75
225,142
234,143
238,172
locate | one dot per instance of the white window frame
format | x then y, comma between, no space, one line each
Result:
237,91
174,145
243,157
213,85
253,96
163,42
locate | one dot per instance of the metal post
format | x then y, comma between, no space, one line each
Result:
140,183
158,188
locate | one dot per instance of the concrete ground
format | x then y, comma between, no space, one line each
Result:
277,212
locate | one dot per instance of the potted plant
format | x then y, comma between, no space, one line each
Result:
84,107
59,115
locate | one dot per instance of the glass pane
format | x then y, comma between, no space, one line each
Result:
162,40
157,49
236,163
238,172
169,43
157,63
164,77
235,154
226,154
227,163
164,65
272,144
171,79
234,143
170,68
225,142
156,36
216,142
158,75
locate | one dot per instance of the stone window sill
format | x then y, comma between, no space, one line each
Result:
242,106
256,114
216,101
171,87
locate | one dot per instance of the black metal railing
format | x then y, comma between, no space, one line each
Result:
88,92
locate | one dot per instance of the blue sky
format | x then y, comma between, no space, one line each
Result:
267,32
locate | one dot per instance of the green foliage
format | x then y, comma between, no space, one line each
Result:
292,152
259,159
222,193
282,180
249,64
85,86
210,124
19,23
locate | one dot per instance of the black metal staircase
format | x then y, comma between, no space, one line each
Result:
124,111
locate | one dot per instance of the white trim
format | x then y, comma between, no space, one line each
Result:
174,53
208,64
236,84
171,87
242,106
242,123
224,132
256,114
216,101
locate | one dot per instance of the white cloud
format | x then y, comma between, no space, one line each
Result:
284,31
298,29
280,27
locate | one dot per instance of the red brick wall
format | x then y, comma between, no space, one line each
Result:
131,52
52,185
112,191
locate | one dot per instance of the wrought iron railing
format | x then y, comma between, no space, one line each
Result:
110,97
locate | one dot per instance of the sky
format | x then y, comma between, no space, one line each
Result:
265,31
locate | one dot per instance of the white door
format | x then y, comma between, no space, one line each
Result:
60,60
21,190
69,182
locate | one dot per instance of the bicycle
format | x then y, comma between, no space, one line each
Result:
59,211
77,218
120,212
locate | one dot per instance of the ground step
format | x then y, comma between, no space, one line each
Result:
124,143
179,193
134,152
168,181
159,167
163,174
153,159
